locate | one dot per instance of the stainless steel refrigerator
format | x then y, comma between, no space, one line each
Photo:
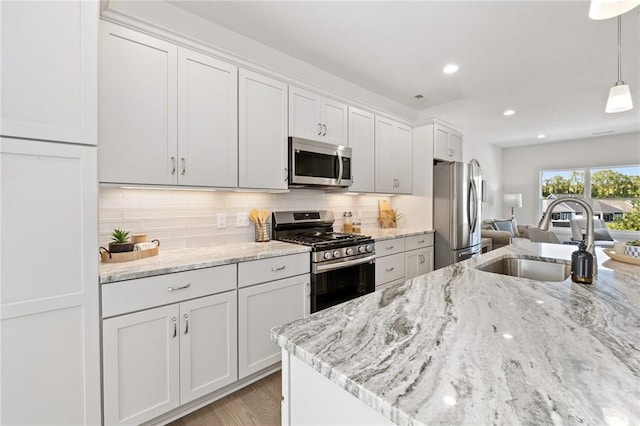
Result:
456,212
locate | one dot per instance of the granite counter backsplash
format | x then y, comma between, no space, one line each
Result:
462,346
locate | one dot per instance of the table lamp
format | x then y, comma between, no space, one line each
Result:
512,201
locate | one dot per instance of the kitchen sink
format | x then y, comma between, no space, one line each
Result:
526,268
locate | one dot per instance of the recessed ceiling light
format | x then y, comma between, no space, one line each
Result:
419,96
509,112
450,69
542,136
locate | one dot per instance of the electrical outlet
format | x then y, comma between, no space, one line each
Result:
222,220
242,220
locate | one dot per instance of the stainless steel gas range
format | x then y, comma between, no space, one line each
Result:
342,265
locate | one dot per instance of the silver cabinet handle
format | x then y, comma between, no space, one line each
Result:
398,180
421,242
184,166
388,247
278,268
319,129
308,284
186,327
389,269
286,174
173,165
325,130
182,287
175,327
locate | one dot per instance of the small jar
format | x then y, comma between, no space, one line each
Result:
357,227
347,223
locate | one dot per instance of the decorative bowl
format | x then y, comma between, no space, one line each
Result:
633,251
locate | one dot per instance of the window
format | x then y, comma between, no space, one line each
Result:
612,192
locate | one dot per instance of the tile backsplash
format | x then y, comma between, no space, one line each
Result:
187,218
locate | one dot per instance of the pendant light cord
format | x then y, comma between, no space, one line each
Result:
619,48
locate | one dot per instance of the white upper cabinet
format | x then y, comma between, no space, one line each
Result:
447,143
393,150
314,117
262,138
207,121
362,144
49,70
169,114
138,108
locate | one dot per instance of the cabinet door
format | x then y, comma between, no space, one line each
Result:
138,108
49,329
262,307
141,365
418,262
49,70
455,145
384,155
402,159
207,121
334,122
361,142
305,119
389,268
208,345
262,147
441,143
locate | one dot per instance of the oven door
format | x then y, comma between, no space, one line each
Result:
337,283
317,163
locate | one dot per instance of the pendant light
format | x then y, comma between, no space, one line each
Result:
605,9
619,95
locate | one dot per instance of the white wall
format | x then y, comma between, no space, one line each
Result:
186,218
490,158
522,165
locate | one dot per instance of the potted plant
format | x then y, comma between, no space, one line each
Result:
120,242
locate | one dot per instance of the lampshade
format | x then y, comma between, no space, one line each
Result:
512,200
605,9
619,98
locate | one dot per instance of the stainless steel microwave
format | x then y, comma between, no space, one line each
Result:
318,164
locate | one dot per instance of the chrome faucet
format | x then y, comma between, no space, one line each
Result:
590,240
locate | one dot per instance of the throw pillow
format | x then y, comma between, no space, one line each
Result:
602,234
504,225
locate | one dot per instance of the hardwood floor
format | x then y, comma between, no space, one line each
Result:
257,404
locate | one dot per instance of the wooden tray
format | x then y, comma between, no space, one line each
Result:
621,257
108,257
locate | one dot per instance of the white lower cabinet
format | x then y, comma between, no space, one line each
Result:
160,358
403,258
418,262
262,307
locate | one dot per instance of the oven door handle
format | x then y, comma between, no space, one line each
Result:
333,266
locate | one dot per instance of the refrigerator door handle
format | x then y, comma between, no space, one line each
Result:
473,196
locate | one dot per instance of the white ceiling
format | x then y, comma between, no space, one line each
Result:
544,59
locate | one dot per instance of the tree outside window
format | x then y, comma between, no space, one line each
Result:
613,192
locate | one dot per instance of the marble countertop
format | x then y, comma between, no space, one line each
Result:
380,234
179,260
462,346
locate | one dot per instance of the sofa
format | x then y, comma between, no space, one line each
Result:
503,231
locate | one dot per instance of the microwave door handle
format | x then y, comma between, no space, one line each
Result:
340,167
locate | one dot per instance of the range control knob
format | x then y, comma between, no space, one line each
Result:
369,248
361,249
336,253
327,255
349,251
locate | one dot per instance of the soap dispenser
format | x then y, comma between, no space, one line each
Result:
582,265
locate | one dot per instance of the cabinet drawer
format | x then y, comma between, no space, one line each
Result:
418,241
134,295
387,247
274,268
389,268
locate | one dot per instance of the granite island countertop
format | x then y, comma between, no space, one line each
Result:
462,346
178,260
